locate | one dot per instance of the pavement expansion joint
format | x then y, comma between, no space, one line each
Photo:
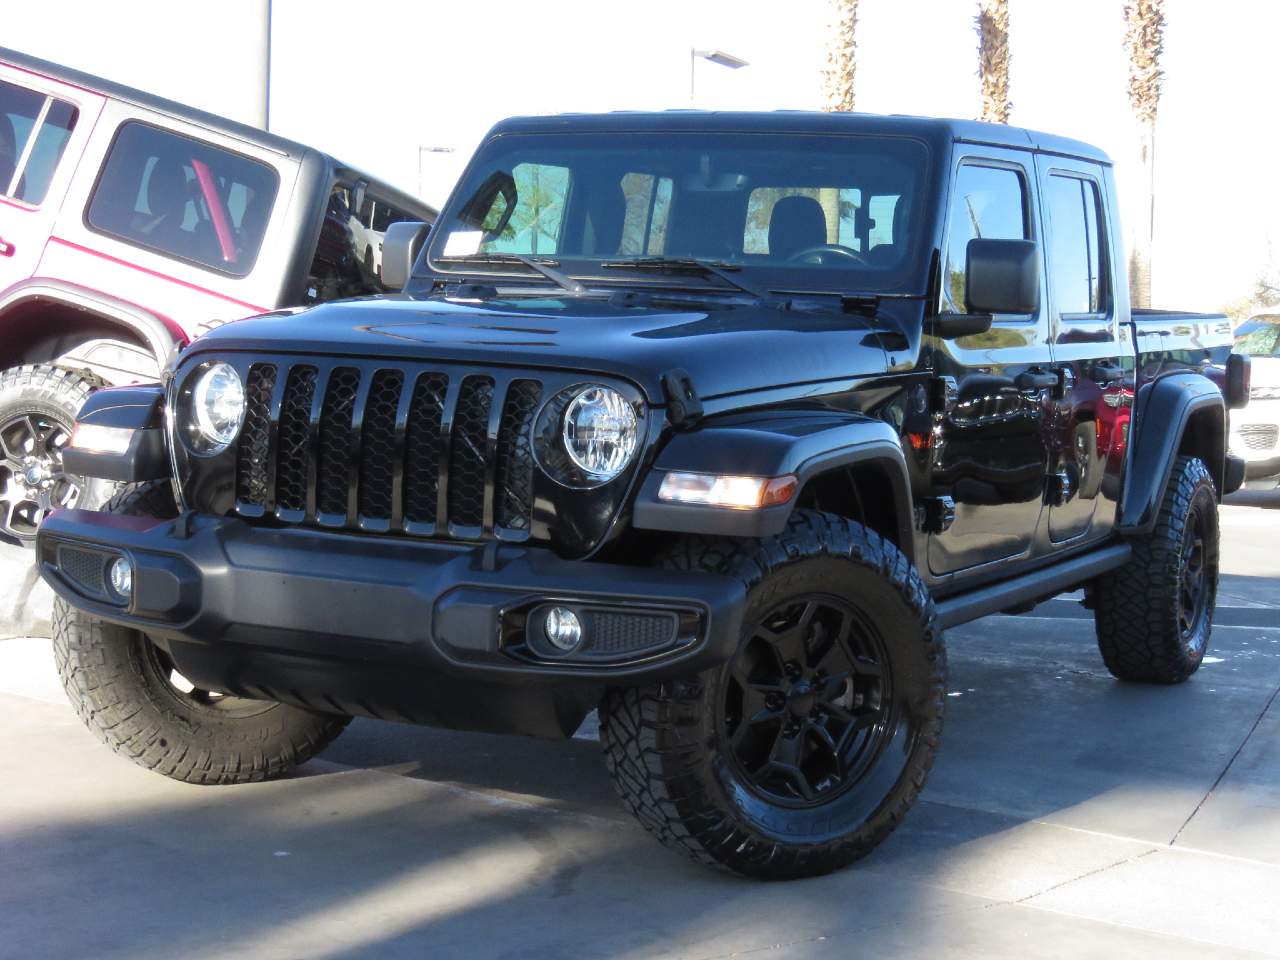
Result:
1257,721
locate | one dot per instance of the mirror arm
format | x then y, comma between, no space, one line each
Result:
949,326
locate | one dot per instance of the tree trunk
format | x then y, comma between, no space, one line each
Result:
1144,223
841,62
992,24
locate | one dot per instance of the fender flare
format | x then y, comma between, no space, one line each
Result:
804,443
158,333
1161,413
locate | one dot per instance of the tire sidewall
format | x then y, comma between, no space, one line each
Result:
902,758
1203,502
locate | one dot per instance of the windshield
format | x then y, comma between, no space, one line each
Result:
782,212
1259,340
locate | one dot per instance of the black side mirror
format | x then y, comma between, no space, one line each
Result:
400,247
1002,276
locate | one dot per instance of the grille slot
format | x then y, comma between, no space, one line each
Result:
255,436
423,444
378,444
467,452
294,459
334,466
361,445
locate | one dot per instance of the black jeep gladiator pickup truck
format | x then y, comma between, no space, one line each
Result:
713,422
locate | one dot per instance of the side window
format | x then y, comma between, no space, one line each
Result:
534,226
648,210
1075,245
34,130
184,198
988,202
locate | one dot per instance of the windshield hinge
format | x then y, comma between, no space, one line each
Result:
864,305
684,407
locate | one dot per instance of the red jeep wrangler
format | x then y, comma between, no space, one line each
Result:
128,224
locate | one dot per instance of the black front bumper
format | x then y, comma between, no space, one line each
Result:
423,632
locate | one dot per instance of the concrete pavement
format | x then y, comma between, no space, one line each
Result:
1068,816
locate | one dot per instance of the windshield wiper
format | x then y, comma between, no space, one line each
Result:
544,267
707,268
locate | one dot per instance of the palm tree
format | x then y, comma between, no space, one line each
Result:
842,57
992,23
1144,39
837,88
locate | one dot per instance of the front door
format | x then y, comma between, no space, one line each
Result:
1090,418
42,131
993,396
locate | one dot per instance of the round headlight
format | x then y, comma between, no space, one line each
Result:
600,432
217,407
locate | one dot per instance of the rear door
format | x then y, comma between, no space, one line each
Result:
43,128
990,441
1091,351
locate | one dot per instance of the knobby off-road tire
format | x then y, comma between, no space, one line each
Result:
38,408
1154,615
125,690
738,766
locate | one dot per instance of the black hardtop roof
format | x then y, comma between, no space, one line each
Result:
202,118
810,121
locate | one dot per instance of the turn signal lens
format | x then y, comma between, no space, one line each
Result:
735,493
94,438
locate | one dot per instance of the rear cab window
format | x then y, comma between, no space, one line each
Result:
1077,254
348,258
34,130
183,198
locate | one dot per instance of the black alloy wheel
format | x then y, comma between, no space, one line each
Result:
806,708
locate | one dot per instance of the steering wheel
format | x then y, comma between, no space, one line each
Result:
815,254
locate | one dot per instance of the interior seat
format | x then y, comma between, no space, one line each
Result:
796,223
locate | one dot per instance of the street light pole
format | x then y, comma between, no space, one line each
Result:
714,56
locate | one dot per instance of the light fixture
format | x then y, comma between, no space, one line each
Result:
731,492
95,438
718,57
121,575
563,628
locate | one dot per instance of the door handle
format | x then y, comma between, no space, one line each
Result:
1104,372
6,248
1034,379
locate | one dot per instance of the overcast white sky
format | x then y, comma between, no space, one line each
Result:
374,82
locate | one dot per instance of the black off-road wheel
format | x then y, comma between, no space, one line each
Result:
38,407
808,748
1154,615
128,692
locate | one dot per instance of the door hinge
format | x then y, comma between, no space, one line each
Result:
943,392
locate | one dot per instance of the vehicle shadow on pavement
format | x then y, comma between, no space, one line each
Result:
408,842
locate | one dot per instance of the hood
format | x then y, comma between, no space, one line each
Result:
727,348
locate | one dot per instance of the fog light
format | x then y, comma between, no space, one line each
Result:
122,577
563,629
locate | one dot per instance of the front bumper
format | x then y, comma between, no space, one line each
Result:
419,631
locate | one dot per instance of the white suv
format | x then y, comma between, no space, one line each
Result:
1255,430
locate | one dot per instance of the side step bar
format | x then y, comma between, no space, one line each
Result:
1030,587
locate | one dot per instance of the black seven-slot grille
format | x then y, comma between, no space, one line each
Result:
403,448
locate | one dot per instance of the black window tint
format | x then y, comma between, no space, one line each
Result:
987,202
1075,248
184,198
34,130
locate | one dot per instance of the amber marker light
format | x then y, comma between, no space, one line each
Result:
734,493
